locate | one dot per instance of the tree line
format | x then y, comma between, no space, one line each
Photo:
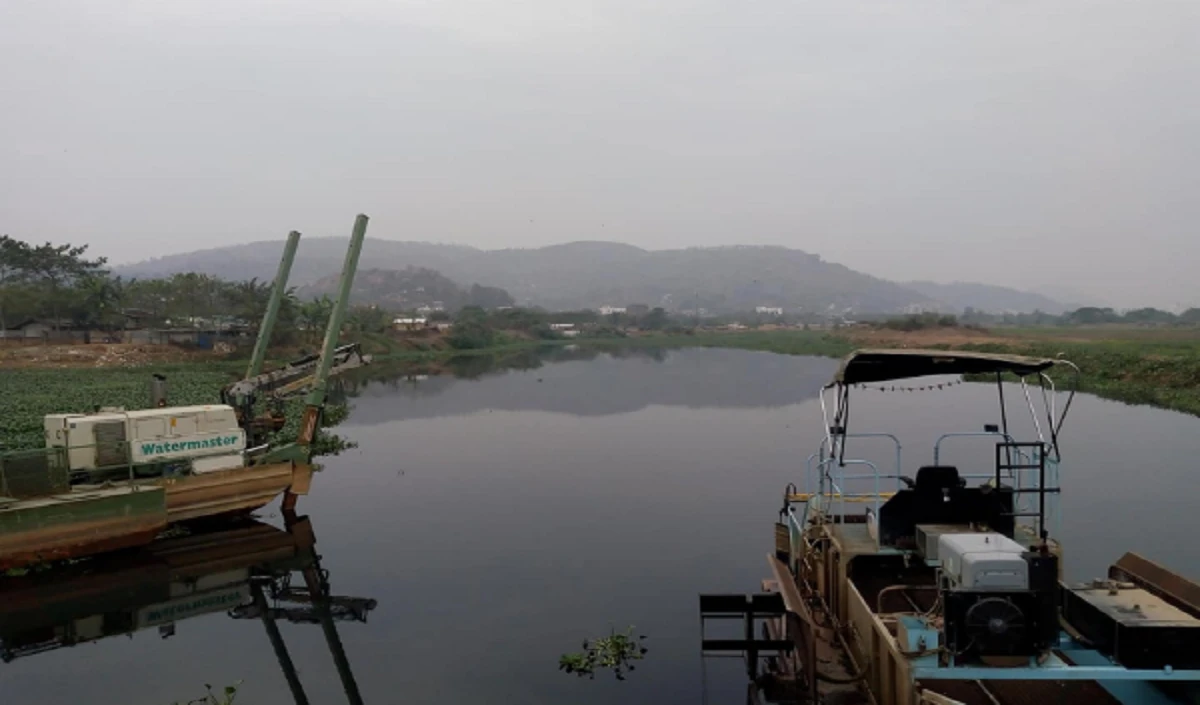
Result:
1086,316
62,285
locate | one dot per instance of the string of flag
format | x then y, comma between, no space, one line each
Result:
894,388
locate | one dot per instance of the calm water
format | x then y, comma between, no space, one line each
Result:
502,517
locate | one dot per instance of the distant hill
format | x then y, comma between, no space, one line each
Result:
986,297
582,274
593,274
407,289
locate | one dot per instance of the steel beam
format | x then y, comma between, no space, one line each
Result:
277,293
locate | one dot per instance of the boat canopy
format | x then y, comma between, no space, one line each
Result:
864,366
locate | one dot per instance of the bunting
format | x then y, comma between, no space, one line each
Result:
893,388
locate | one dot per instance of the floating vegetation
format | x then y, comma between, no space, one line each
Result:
224,697
30,394
615,652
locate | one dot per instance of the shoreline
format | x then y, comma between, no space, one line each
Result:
1159,373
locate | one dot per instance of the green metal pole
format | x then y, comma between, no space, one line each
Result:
316,395
277,292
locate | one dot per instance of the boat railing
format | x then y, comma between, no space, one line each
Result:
827,482
812,476
937,450
33,472
834,485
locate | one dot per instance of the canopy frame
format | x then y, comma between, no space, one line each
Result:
870,366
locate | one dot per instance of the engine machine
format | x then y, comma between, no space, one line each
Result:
203,438
998,599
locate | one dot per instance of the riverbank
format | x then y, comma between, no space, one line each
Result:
1157,367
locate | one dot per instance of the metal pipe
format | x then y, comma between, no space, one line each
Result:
158,391
316,395
890,588
277,292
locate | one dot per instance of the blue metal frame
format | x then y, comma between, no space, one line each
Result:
1093,666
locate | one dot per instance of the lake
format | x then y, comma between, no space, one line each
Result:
502,516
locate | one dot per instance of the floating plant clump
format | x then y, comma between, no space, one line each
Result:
615,652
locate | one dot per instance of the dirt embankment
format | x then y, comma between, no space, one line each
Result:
100,355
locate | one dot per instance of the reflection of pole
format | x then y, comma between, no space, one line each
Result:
281,652
320,601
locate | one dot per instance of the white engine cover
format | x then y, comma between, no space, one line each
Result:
149,435
988,561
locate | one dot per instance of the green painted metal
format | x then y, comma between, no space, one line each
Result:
277,293
316,395
79,507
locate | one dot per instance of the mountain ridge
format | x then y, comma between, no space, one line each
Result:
588,274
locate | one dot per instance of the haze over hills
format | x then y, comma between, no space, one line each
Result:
591,274
407,289
986,297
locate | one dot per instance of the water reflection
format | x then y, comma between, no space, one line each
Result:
582,382
246,569
510,519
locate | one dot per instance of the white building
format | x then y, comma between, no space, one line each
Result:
769,310
561,326
409,323
609,310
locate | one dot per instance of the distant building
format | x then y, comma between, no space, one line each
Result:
28,328
413,323
569,333
769,310
609,310
561,326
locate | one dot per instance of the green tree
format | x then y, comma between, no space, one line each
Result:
96,302
656,319
471,330
367,319
14,270
1149,316
1190,317
59,267
1092,315
314,315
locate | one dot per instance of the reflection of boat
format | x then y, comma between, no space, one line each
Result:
945,588
115,478
244,569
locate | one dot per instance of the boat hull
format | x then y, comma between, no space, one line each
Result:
90,521
79,524
234,491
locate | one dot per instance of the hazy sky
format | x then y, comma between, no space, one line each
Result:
1036,143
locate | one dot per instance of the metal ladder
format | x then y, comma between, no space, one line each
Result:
1009,456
